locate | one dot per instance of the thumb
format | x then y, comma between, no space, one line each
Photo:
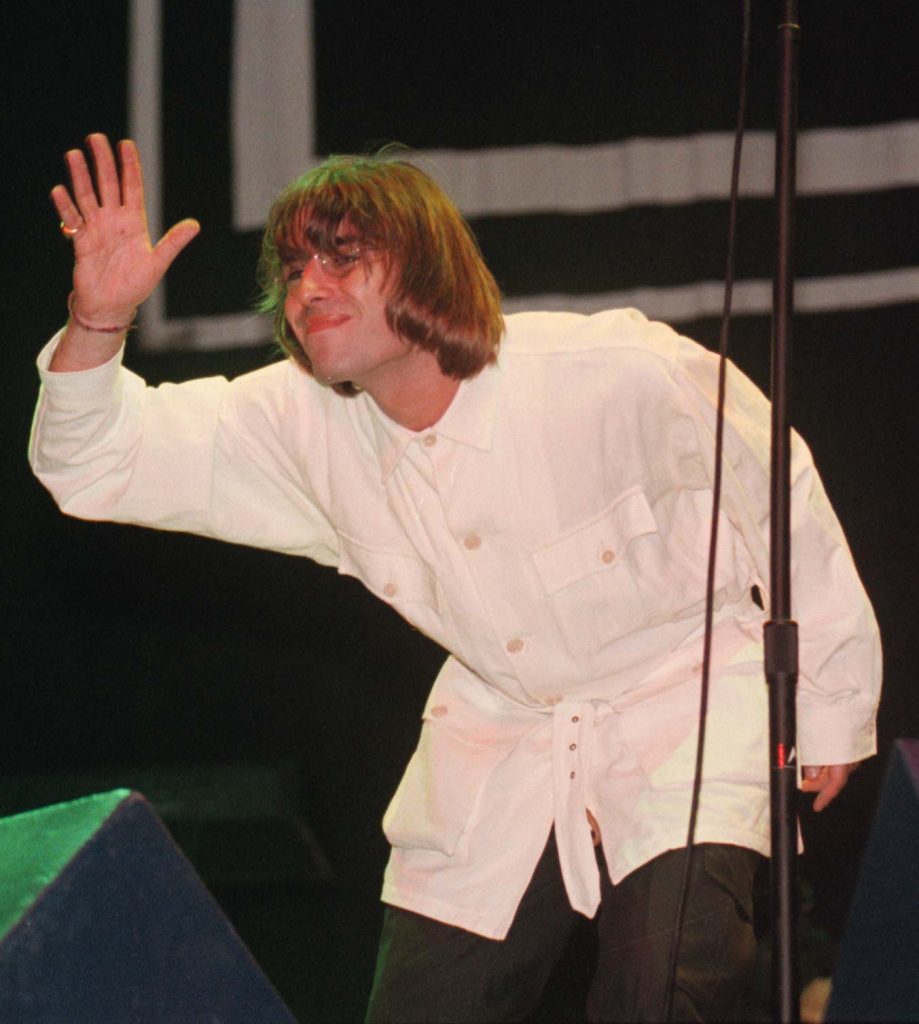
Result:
174,241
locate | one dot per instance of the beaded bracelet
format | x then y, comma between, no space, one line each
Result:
89,327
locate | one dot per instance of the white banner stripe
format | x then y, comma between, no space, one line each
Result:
650,172
271,97
706,298
638,172
679,304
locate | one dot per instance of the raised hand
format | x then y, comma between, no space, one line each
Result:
103,213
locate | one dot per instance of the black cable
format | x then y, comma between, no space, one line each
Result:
716,506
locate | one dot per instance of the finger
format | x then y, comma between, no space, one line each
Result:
107,183
832,781
81,181
174,241
65,206
132,177
828,793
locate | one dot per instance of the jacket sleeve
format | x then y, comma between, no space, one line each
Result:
207,456
839,645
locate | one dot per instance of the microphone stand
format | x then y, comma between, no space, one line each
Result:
780,634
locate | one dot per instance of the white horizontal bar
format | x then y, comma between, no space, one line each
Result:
678,304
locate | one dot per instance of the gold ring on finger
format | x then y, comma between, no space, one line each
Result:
67,231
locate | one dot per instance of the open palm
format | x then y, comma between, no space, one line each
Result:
117,266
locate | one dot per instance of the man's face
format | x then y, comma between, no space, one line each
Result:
337,313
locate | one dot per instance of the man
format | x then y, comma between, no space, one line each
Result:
534,493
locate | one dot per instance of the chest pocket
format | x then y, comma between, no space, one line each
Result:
620,572
399,579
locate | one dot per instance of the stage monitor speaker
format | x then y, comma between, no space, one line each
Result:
877,976
104,921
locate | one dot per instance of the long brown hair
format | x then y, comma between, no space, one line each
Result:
442,297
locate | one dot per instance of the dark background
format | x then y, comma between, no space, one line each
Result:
129,654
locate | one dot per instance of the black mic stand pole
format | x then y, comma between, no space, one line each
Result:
781,633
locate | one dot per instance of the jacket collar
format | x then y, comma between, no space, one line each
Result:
469,421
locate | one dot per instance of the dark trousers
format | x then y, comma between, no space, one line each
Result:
435,973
